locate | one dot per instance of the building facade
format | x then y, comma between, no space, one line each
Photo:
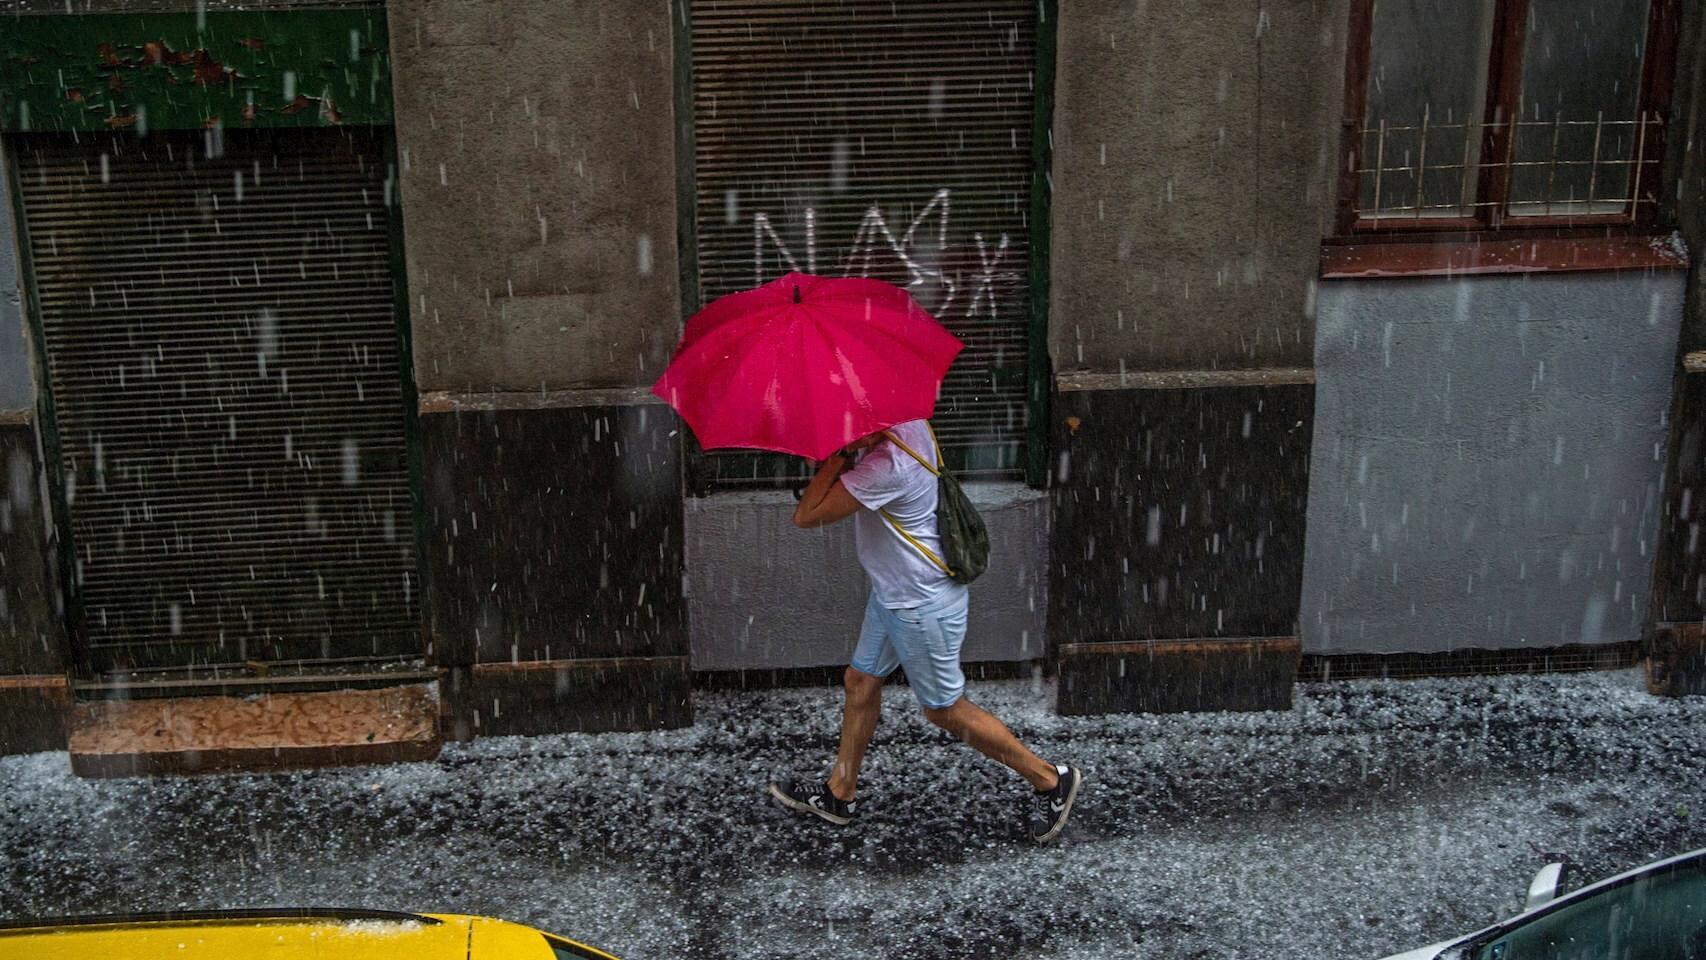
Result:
1288,348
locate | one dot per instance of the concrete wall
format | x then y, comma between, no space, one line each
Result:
763,594
32,632
538,188
1195,151
537,145
1685,164
1679,589
553,534
1488,458
1178,513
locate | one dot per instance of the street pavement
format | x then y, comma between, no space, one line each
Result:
1372,817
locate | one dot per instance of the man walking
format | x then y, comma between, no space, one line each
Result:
915,619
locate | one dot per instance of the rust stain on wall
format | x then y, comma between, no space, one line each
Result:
205,68
209,71
156,51
173,71
328,110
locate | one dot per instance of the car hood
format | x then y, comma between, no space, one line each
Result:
215,936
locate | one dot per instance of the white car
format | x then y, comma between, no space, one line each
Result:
1655,912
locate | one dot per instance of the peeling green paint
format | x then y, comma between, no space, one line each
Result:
177,71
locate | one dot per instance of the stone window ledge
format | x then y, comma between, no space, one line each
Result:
1353,259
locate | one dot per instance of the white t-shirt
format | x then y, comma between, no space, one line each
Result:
887,477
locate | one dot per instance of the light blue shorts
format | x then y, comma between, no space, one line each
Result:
924,641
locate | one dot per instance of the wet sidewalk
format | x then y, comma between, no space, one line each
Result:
1371,817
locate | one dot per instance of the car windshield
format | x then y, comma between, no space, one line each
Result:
1658,916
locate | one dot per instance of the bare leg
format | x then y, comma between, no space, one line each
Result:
858,722
990,737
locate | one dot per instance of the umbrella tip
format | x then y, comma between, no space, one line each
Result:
796,293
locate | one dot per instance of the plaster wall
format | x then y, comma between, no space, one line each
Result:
1488,460
537,149
763,594
1195,153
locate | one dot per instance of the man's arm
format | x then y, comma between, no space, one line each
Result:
826,500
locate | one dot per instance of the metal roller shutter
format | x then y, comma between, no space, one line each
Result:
892,139
223,357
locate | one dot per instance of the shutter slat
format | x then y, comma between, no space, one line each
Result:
848,104
191,507
114,571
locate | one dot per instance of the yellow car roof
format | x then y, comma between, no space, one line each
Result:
283,935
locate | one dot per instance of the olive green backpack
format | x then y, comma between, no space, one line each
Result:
965,540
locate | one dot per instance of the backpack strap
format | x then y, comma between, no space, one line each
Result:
909,538
936,471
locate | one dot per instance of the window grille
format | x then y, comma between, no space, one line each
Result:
1407,174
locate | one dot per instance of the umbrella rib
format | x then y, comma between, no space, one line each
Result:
884,333
896,346
814,386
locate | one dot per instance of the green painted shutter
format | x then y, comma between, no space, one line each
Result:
902,132
223,354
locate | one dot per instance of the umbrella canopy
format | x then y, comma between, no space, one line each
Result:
807,364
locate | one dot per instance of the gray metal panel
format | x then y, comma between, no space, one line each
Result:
844,106
763,594
223,356
1488,459
17,392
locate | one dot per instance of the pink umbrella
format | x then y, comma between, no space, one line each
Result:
806,364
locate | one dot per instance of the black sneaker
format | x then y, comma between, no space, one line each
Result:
1054,806
804,796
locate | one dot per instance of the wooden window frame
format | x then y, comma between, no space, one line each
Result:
1504,75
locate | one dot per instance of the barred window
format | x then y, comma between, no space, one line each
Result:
1503,113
